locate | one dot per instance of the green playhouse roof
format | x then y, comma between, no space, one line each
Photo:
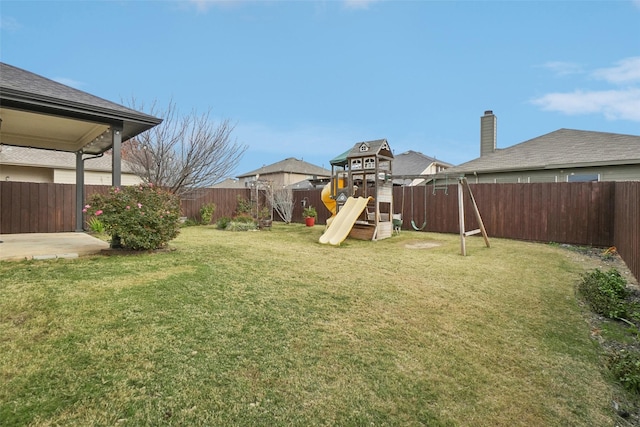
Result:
340,160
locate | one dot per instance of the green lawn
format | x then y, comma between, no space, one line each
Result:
273,329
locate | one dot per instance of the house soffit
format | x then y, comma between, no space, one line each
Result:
37,130
41,113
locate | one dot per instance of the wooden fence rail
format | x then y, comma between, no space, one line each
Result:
588,213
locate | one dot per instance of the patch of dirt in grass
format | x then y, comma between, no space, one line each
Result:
422,245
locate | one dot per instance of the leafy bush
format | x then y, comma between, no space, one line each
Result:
137,217
223,222
206,213
245,219
606,292
239,223
189,223
243,206
625,366
242,221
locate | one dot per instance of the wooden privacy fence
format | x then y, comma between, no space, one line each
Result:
225,199
574,213
626,213
583,213
586,213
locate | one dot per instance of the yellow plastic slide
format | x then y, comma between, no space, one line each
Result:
343,222
327,200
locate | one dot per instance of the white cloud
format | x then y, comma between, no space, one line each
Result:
69,82
613,104
625,71
621,103
561,68
9,24
360,4
204,5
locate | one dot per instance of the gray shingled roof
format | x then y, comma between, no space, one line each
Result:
33,157
26,91
17,80
413,163
290,165
559,149
376,146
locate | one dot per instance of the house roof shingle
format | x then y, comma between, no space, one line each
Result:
23,93
413,163
17,80
289,165
562,148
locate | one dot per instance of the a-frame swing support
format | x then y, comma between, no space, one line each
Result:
462,184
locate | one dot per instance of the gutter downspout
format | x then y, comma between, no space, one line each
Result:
80,189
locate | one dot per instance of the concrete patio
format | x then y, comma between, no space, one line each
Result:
15,247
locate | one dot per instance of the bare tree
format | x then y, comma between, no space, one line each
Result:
183,153
283,202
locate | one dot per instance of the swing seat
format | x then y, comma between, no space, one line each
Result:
397,223
415,227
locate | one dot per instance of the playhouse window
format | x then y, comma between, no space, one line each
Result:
356,164
370,163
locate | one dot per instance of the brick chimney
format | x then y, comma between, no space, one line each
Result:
488,128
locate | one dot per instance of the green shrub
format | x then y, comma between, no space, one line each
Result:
606,293
239,223
244,218
206,213
137,217
243,206
223,222
189,223
625,366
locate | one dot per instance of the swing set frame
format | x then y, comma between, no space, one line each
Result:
462,186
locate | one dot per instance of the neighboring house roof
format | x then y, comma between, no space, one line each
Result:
309,183
414,163
39,112
561,149
229,183
290,165
33,157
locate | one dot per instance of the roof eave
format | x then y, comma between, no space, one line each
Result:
599,163
12,98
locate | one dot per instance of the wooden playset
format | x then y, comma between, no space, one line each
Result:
360,194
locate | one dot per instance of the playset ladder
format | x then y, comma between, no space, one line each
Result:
444,186
462,183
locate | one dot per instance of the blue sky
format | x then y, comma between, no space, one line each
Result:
309,79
